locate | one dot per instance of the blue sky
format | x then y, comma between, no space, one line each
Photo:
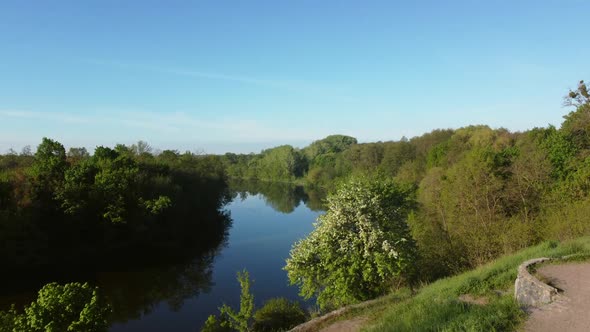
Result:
219,76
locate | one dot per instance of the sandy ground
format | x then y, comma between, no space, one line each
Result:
352,325
571,311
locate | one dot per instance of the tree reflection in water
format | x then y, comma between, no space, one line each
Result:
176,266
281,196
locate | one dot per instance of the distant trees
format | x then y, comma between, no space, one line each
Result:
75,155
284,163
281,163
359,247
329,145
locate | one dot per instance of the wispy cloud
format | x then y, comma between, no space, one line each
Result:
179,126
299,86
189,73
61,117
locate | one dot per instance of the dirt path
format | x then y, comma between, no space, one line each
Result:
351,325
571,311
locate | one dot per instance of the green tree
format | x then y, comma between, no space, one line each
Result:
49,167
283,163
359,247
330,144
72,307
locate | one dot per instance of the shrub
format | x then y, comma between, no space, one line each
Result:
278,314
72,307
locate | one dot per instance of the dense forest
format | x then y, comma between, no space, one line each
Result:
64,215
437,204
480,192
63,208
416,210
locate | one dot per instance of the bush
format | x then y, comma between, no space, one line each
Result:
216,324
359,247
278,315
72,307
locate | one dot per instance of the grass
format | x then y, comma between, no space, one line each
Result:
437,307
370,309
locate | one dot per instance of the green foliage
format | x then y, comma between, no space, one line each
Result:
216,324
364,157
436,155
156,206
481,193
329,145
230,319
107,182
395,155
71,307
566,221
281,163
287,164
278,314
55,209
560,152
48,169
359,247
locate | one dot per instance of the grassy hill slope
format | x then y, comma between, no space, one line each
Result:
478,300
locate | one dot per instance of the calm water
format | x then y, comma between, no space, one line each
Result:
267,220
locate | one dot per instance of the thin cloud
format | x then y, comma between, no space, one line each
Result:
60,117
299,86
199,74
179,126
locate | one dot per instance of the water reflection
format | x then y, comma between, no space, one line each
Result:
176,289
282,197
135,293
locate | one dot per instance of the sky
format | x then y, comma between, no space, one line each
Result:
241,76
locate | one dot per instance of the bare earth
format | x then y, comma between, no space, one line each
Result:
352,325
571,311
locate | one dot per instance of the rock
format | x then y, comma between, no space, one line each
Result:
530,291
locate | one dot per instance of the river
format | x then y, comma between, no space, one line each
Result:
179,296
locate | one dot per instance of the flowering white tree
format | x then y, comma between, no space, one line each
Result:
358,247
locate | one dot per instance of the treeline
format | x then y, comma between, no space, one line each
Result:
59,207
287,164
325,161
481,192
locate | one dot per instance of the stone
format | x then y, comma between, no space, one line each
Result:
530,291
